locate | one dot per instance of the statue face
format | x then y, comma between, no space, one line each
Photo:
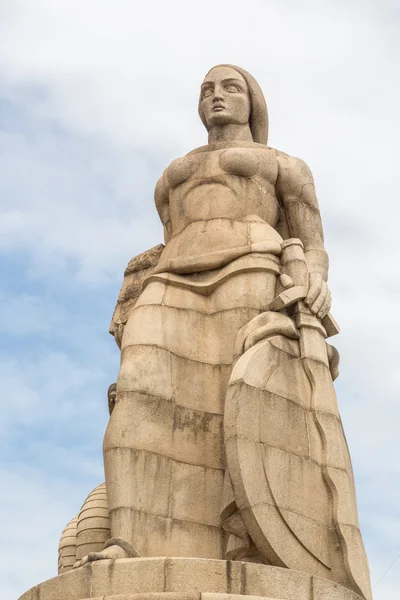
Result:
225,98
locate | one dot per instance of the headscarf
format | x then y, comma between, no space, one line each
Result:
258,120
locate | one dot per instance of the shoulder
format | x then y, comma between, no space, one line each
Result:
292,165
161,197
293,173
161,189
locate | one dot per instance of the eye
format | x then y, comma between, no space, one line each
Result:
207,93
232,88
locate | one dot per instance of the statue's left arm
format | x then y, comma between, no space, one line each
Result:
296,193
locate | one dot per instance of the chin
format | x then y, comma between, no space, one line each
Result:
220,118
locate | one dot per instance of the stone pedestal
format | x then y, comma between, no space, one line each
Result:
185,579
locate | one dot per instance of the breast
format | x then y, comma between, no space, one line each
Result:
242,162
260,163
180,170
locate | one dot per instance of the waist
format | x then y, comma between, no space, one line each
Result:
208,200
205,282
211,244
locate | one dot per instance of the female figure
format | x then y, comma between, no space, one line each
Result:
225,207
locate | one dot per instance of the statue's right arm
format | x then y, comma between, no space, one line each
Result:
161,198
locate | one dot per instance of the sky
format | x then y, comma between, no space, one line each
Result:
96,98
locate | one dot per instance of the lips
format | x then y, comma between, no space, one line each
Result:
218,107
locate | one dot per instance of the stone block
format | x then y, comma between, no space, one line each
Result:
189,482
245,458
274,582
146,369
201,386
328,590
152,596
283,425
291,478
244,417
140,480
198,575
214,596
127,576
201,337
72,585
290,381
190,539
149,423
186,579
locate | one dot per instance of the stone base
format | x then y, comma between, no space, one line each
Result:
185,579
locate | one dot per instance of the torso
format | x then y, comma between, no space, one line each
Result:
213,194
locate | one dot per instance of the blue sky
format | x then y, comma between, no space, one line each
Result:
96,98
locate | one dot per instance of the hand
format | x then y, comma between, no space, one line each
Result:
112,552
318,298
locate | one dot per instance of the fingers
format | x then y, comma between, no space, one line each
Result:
80,563
319,297
314,289
317,304
325,308
91,557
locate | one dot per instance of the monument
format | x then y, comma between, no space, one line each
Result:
227,473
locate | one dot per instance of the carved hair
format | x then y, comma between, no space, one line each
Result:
259,113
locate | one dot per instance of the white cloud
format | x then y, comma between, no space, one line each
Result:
52,422
35,509
64,202
24,314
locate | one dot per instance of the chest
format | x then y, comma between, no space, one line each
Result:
257,164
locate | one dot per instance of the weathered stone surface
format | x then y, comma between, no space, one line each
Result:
136,272
93,526
87,532
185,579
67,547
262,580
127,575
297,503
326,590
224,439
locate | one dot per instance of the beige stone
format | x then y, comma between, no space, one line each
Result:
224,439
186,579
171,430
135,273
93,525
67,547
276,583
216,596
217,576
298,500
190,483
326,590
87,532
204,337
127,575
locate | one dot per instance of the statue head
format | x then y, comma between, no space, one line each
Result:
111,396
230,94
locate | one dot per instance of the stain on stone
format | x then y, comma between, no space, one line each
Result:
195,421
228,576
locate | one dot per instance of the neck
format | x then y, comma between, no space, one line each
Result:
229,133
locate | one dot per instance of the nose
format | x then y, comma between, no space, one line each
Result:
218,94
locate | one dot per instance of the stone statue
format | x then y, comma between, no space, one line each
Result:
224,440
